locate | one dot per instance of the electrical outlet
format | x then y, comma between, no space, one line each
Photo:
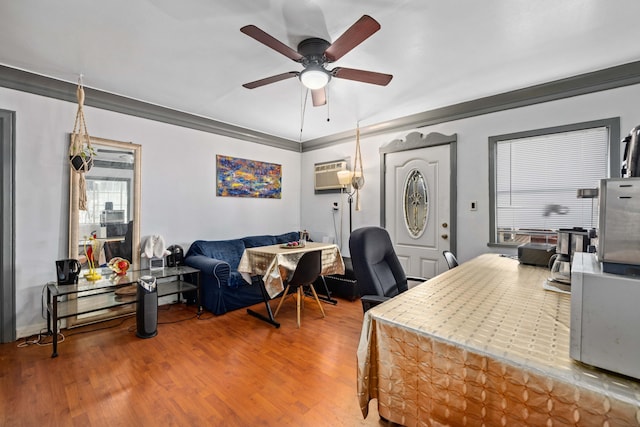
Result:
335,206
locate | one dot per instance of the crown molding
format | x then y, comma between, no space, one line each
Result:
46,86
605,79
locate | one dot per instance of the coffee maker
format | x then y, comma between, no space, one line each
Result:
67,271
619,240
570,241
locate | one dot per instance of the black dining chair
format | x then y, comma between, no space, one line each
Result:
307,271
450,258
379,274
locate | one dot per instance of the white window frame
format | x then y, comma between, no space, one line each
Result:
613,150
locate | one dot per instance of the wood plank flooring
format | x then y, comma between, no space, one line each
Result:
231,370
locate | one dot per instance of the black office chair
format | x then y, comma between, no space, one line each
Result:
307,271
450,258
379,274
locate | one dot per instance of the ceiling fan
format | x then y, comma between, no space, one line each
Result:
315,53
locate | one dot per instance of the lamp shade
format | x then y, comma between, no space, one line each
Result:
344,177
314,77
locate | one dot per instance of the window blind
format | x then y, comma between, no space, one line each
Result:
537,179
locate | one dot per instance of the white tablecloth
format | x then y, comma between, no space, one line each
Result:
275,262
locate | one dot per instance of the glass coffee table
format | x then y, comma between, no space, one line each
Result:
113,292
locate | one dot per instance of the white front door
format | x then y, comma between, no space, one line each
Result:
418,209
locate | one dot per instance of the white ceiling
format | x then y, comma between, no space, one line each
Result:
190,55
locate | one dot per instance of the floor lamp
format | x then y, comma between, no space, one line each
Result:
344,178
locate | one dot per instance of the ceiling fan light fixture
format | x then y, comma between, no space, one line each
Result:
314,78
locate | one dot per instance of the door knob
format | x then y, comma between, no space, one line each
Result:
445,236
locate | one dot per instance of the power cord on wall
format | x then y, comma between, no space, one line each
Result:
335,210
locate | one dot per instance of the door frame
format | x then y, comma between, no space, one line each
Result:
414,141
7,229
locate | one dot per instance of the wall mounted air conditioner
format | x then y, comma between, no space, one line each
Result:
326,176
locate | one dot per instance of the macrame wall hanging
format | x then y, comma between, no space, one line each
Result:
80,150
358,176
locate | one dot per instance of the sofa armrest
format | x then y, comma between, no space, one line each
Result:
219,269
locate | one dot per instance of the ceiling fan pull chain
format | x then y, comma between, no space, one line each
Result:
303,105
326,92
301,117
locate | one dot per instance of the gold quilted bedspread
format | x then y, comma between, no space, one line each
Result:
485,344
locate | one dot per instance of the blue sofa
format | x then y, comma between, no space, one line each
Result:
222,287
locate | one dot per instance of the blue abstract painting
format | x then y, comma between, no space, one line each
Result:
248,178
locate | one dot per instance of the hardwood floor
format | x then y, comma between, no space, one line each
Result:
231,370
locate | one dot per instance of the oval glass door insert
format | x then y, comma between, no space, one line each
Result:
416,203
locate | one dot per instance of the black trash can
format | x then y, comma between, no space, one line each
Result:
147,307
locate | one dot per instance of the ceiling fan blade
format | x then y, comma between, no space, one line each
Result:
319,97
356,34
270,41
271,79
362,76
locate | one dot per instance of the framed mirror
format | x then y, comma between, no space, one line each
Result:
113,204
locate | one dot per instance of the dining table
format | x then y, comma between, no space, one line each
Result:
485,344
275,263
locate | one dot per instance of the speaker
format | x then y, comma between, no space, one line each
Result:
175,257
147,308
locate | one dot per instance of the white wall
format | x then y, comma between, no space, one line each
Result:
178,179
472,162
178,188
